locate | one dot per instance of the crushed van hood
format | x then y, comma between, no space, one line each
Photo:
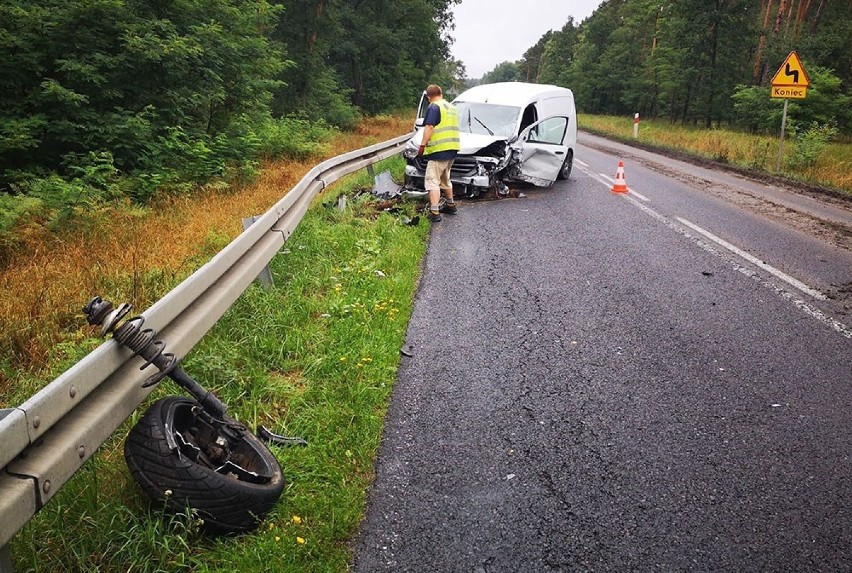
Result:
471,143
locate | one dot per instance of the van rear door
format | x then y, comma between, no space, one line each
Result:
543,150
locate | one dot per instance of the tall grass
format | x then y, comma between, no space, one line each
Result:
126,253
757,152
315,356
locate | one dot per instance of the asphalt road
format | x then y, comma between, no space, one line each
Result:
598,384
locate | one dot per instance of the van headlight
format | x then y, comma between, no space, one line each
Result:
409,152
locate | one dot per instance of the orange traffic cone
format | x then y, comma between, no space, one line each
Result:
620,181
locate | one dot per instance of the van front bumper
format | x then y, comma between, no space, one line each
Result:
417,177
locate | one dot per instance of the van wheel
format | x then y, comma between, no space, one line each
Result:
565,172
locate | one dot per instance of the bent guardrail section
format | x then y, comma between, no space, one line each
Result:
45,440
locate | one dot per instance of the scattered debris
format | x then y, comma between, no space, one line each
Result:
384,186
268,436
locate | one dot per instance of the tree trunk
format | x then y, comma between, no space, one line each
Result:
312,40
817,16
758,57
790,17
714,48
779,18
804,6
686,103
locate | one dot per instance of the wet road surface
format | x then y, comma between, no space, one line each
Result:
598,386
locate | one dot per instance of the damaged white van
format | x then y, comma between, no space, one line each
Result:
510,132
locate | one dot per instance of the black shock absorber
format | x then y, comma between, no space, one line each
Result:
143,343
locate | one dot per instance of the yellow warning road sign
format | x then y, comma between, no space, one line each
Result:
791,74
789,82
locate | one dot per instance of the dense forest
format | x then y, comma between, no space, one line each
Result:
105,99
699,61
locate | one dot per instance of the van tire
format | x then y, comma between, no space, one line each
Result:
567,165
225,503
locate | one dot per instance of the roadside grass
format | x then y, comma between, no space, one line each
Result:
316,356
757,152
130,254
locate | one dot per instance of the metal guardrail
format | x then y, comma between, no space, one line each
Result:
45,440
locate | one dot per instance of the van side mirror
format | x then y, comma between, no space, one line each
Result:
419,122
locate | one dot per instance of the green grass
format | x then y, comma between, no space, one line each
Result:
315,357
833,169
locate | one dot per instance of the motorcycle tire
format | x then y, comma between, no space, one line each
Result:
232,500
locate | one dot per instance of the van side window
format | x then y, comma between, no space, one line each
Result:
530,117
551,130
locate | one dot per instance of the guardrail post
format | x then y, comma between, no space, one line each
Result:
265,276
5,560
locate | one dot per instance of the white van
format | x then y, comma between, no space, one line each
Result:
510,131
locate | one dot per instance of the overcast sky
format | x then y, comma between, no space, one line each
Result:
489,32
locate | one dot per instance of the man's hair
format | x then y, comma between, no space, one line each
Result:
433,90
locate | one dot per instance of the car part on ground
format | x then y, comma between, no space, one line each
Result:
266,435
384,186
186,452
186,459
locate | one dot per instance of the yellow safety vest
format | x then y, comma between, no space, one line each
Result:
445,135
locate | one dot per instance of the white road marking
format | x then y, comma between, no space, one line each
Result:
832,323
607,180
583,163
611,180
639,195
754,260
592,175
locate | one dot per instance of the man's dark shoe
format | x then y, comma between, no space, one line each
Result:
433,216
449,208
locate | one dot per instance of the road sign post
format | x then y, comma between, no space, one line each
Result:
781,141
789,82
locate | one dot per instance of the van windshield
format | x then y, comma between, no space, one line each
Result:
487,119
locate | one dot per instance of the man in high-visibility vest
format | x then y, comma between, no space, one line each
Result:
439,147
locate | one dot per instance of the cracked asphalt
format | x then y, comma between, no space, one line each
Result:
591,391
